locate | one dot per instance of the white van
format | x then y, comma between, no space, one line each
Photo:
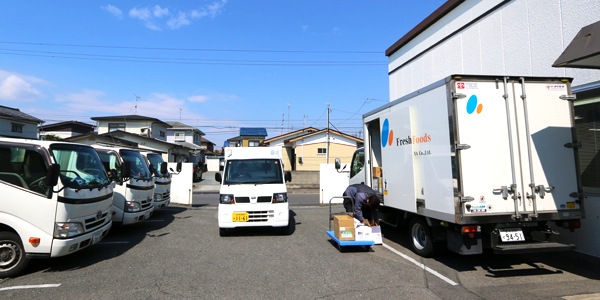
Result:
42,216
133,199
162,179
253,191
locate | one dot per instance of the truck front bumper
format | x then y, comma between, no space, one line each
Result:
259,214
62,247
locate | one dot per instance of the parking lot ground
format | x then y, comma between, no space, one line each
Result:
179,254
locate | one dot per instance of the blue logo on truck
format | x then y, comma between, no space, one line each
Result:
387,135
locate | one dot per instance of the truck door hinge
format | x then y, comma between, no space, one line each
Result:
568,97
573,145
458,95
462,146
464,199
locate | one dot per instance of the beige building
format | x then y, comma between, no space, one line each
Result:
306,149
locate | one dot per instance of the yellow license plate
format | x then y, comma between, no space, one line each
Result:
239,217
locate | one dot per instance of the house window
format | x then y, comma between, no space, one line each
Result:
180,136
18,128
196,138
321,151
162,133
116,126
253,143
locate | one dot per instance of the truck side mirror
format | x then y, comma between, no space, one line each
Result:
125,170
179,167
288,176
218,177
163,168
52,175
338,164
152,170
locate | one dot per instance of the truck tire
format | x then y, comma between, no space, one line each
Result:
421,237
12,255
222,231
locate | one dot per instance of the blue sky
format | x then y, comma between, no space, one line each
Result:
215,64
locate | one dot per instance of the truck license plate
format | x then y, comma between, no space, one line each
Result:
240,217
96,237
511,235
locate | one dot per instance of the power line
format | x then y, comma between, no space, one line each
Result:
135,58
193,49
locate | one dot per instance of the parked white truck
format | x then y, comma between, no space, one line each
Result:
162,179
253,191
474,162
133,198
42,216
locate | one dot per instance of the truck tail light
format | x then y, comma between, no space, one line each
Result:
574,224
471,230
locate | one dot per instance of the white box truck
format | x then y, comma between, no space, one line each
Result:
133,200
253,191
161,177
42,216
474,162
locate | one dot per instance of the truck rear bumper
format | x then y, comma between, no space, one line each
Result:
532,247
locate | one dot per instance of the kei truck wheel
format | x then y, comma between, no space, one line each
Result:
421,238
12,256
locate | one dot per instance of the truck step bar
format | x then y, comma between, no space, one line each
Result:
533,247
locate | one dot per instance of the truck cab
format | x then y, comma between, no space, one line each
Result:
134,189
253,189
161,177
56,200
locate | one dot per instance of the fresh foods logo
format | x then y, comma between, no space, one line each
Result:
473,106
387,137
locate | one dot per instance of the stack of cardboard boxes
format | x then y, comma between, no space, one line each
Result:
346,228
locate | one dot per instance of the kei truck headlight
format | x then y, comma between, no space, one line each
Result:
226,199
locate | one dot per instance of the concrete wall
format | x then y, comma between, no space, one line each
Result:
304,180
332,183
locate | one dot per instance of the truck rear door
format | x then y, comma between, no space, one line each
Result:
512,132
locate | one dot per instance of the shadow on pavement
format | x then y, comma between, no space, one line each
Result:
265,230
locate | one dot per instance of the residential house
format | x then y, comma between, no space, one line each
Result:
519,38
65,129
189,137
15,123
249,137
149,133
208,145
306,149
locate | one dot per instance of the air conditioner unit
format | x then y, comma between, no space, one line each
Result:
146,131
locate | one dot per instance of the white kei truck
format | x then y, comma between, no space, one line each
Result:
474,162
133,200
161,177
253,189
56,200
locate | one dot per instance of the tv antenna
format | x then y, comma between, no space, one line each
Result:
136,100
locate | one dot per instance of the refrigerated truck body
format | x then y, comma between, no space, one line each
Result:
473,162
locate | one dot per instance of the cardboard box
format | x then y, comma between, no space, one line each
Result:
363,233
376,172
376,235
343,227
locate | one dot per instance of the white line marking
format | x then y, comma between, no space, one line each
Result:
22,287
420,265
123,242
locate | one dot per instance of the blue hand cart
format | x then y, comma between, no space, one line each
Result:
341,244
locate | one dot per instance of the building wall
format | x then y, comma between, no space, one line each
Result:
135,126
252,138
312,160
523,37
29,129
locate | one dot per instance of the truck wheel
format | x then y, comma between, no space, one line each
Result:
421,237
12,255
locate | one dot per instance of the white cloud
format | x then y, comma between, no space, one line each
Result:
160,12
18,88
198,98
152,17
113,10
178,21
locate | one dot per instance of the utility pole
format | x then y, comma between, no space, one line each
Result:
304,121
327,147
179,114
289,117
282,120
